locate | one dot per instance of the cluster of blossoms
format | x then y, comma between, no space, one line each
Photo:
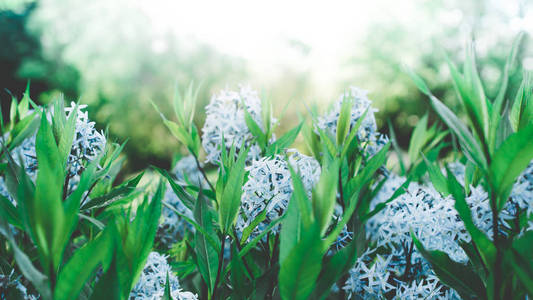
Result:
151,284
12,288
87,144
370,140
269,186
376,276
399,269
422,210
225,119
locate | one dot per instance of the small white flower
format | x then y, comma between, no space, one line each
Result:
87,144
151,284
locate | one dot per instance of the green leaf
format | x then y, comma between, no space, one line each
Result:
68,133
486,247
49,214
299,195
509,161
453,274
239,277
40,281
520,258
500,98
9,212
340,263
207,254
254,242
325,194
196,226
419,82
122,190
250,228
134,240
82,264
285,141
109,285
255,129
397,148
418,139
351,139
299,271
343,123
472,149
522,110
437,178
292,227
476,102
231,196
185,197
24,129
167,295
24,104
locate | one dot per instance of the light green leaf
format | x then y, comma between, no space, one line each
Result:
82,264
325,194
50,223
285,141
231,196
300,269
509,161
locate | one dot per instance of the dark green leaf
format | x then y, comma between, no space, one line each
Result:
455,275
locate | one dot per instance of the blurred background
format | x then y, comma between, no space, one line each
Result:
118,55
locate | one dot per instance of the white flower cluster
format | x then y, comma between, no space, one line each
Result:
88,143
376,276
399,269
435,222
370,140
151,284
226,119
269,187
420,209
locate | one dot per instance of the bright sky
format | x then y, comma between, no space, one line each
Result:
262,31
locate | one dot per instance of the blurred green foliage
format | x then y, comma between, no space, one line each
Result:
117,62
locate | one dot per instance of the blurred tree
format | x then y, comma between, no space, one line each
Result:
22,59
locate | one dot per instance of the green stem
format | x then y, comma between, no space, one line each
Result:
220,265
